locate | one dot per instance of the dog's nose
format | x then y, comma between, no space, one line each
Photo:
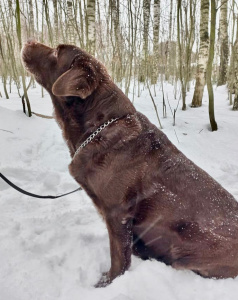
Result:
31,41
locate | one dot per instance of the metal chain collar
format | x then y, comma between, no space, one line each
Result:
92,136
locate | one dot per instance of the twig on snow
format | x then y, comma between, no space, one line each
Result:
6,130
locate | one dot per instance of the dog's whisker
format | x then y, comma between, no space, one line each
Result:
147,229
152,241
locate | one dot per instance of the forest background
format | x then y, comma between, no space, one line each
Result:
182,42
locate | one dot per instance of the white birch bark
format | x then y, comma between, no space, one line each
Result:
116,40
31,19
146,19
235,105
203,55
146,16
24,27
70,21
56,24
168,66
235,79
224,48
156,29
91,37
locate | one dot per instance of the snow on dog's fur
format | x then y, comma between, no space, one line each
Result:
156,202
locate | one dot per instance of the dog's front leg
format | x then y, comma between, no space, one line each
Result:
120,236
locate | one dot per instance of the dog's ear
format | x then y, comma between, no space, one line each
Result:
80,80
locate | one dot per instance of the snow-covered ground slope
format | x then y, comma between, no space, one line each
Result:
57,249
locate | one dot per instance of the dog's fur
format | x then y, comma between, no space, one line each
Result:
156,202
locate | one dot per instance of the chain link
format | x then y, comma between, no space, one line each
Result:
92,136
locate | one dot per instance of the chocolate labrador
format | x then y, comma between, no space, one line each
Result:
156,202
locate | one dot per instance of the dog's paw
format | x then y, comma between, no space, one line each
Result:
104,280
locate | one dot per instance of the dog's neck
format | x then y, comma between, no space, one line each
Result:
78,118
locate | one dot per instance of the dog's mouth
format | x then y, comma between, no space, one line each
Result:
33,53
27,63
26,58
33,56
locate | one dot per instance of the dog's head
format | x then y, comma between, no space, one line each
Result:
64,71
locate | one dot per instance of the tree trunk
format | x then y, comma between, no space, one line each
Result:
203,55
82,25
231,71
56,24
70,21
18,24
156,29
235,82
146,18
180,58
209,66
5,86
115,39
31,19
168,65
91,36
224,48
47,17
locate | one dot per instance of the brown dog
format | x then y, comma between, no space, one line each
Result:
156,202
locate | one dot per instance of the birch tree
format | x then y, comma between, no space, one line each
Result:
156,30
18,29
56,24
70,20
223,39
209,65
31,19
115,39
235,105
185,41
4,67
233,84
46,12
146,22
91,36
203,55
168,64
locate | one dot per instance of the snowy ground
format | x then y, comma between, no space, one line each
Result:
57,249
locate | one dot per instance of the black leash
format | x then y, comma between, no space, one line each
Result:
34,195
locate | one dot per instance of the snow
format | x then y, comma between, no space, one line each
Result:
57,249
